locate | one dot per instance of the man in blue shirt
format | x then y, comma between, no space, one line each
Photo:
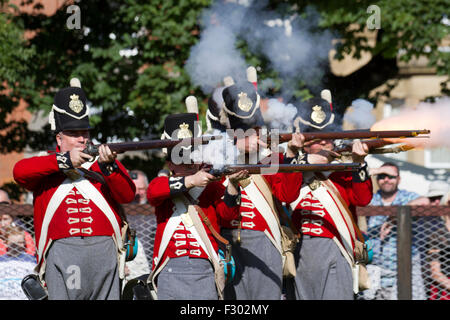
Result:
382,230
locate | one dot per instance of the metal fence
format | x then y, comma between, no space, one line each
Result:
407,245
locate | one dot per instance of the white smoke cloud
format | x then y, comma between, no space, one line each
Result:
288,43
279,115
217,153
361,116
213,58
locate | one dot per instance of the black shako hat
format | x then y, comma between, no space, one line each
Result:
215,103
315,115
241,107
180,126
69,110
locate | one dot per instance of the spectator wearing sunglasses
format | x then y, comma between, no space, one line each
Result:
382,230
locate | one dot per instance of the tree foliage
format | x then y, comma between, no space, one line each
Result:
15,56
409,29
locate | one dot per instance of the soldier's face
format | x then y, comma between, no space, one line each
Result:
72,139
319,145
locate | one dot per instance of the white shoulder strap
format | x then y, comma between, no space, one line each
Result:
266,211
325,198
303,192
59,195
179,209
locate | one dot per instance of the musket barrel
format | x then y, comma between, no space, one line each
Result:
259,168
121,147
371,144
353,134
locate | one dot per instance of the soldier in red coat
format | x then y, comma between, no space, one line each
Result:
77,216
191,205
325,213
256,234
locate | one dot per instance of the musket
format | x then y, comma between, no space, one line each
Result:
375,147
349,134
121,147
260,168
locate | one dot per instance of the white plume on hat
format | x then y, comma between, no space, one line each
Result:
252,75
326,95
191,104
75,82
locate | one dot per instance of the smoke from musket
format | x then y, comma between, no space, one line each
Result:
431,116
214,58
217,153
279,116
293,50
359,115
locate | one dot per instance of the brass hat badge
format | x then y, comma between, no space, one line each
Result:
75,104
244,102
184,131
318,115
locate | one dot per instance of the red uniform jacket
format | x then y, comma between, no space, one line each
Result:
285,187
182,243
312,218
75,216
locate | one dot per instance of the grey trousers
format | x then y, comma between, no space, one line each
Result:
258,267
187,278
83,268
322,271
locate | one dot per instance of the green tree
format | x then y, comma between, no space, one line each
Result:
408,29
15,58
128,55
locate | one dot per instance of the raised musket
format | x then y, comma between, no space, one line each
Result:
349,134
121,147
375,146
260,168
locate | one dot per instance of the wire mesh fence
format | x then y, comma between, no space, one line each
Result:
411,249
410,252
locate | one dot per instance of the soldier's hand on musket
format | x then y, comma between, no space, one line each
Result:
359,151
77,157
199,179
233,186
234,178
296,143
105,155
